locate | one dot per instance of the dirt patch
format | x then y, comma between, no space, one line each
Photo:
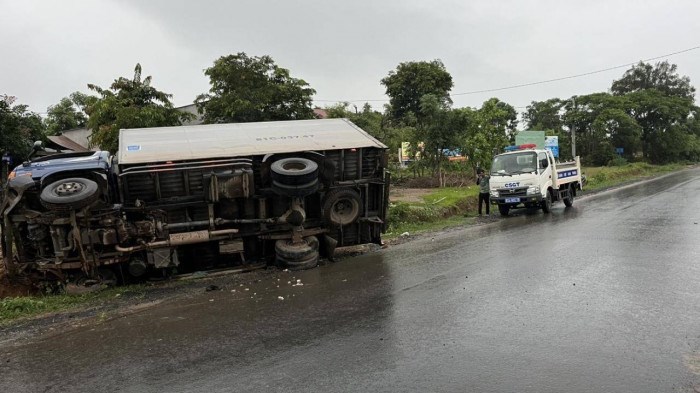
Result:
14,288
409,195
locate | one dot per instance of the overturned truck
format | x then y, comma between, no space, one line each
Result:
197,197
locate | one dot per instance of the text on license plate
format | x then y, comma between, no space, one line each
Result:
512,200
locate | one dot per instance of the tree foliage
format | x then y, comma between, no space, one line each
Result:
441,130
67,114
19,128
129,103
411,81
246,89
492,127
650,114
662,77
544,115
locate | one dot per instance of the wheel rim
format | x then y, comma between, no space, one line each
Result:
294,166
69,188
344,211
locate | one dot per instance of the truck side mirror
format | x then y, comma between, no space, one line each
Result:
543,163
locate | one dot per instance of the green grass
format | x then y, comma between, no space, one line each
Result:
441,208
448,206
13,308
450,196
428,226
604,177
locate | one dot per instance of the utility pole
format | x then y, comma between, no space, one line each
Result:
573,132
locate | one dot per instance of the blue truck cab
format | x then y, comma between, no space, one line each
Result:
43,169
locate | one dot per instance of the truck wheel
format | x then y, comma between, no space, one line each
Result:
295,190
308,263
294,171
503,209
303,255
547,203
69,194
342,206
569,200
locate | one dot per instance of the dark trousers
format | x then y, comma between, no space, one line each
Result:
484,197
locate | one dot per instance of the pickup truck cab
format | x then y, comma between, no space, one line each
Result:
531,178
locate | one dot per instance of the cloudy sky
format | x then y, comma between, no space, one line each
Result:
49,49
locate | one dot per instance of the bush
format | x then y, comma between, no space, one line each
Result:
403,213
617,161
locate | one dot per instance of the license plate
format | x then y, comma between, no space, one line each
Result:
512,200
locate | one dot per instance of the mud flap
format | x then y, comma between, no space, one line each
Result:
329,245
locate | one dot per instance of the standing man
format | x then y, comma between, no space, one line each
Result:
482,180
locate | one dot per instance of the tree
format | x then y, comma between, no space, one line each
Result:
544,115
661,102
19,128
411,81
129,103
68,114
441,130
657,114
246,89
662,77
492,126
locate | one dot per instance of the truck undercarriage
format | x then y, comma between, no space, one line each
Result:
139,220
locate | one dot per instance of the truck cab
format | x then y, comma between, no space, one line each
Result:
526,177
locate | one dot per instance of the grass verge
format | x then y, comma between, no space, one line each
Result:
447,207
12,308
603,177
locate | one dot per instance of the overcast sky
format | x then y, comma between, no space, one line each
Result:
49,49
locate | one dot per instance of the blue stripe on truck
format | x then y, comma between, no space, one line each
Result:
564,174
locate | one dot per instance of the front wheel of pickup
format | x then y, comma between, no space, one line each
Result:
69,194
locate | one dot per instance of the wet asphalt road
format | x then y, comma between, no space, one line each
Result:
601,297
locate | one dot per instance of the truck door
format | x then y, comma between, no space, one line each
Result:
545,169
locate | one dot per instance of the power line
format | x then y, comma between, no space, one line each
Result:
539,82
572,76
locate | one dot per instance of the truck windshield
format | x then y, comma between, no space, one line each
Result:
511,164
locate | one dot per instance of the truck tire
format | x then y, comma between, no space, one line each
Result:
69,194
547,203
308,263
342,206
295,190
303,255
294,171
504,209
569,199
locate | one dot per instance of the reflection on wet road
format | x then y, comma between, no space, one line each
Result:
600,297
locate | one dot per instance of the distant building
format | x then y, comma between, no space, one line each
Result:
320,113
192,108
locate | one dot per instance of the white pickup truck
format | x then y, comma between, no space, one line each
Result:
531,178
